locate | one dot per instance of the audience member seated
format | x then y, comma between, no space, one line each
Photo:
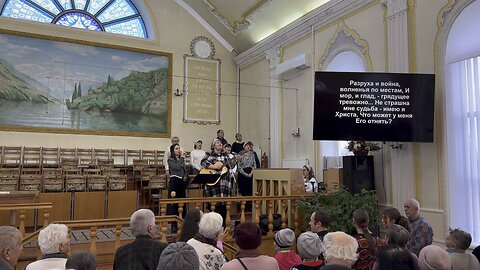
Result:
319,222
476,252
434,258
457,243
190,225
196,157
393,257
309,181
248,237
144,252
54,245
11,247
340,250
421,231
393,216
367,243
399,236
286,258
178,256
205,242
81,261
309,247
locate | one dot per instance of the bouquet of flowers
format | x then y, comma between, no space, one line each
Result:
362,147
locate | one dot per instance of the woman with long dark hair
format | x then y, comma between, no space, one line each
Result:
393,216
190,225
176,184
367,243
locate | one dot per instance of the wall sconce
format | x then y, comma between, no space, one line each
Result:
296,132
397,146
178,93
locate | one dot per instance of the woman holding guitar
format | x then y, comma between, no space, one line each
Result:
176,184
217,160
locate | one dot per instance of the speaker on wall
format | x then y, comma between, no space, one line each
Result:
358,173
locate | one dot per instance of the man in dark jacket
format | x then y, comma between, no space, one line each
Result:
144,252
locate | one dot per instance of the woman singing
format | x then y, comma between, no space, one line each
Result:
246,164
176,185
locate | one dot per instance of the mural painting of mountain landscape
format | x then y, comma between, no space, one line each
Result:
64,87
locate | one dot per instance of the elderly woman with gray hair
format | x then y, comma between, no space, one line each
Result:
457,242
205,242
54,244
399,236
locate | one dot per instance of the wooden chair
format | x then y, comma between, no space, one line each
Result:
50,157
75,182
119,157
31,182
11,156
67,153
9,178
31,179
156,184
52,179
96,182
31,157
117,182
133,155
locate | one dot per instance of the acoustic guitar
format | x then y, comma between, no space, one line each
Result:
220,172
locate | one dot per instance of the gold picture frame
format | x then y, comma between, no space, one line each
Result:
79,87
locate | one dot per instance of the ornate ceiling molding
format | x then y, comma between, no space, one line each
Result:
317,18
241,26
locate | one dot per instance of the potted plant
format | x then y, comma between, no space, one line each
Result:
341,205
361,148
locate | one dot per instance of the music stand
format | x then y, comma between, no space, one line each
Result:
205,178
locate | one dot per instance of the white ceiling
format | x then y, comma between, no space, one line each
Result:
243,23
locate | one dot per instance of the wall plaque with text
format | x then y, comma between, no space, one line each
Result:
201,90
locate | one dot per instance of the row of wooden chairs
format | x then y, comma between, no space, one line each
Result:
23,156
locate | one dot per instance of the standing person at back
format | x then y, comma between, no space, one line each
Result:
421,231
237,146
367,243
221,137
10,246
144,252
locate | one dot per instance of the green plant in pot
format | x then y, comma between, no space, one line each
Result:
341,205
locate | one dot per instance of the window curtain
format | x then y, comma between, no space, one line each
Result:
463,138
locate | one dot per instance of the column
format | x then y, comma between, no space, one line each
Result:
402,163
273,57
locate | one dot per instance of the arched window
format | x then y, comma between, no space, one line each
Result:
347,61
113,16
462,101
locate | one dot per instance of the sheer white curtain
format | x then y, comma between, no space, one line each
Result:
463,139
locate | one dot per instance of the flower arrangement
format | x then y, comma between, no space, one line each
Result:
362,147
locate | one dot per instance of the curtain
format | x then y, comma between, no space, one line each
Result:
463,138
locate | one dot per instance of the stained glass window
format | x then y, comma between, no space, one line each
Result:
113,16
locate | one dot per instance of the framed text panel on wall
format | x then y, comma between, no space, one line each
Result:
69,86
201,90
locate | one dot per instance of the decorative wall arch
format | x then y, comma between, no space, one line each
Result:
445,20
346,39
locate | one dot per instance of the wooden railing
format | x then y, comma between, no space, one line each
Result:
281,205
270,205
22,208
